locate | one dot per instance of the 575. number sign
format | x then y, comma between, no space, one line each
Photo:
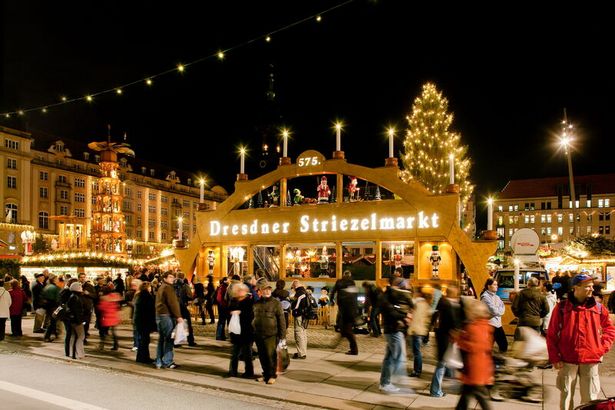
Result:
310,158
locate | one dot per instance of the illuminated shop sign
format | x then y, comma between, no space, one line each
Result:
307,224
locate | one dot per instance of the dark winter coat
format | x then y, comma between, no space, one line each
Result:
144,318
269,318
394,307
75,308
246,306
530,307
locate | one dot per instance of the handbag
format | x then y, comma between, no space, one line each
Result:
234,326
452,357
283,357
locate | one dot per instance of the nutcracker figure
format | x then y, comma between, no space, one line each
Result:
211,260
435,260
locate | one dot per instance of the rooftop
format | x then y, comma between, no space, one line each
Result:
549,187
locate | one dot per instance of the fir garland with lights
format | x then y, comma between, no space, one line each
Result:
429,142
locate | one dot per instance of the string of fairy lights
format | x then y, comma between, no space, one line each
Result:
148,81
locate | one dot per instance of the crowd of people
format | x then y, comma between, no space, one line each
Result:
567,311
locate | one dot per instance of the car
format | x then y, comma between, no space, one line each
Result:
505,279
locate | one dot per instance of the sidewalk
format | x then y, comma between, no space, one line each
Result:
327,378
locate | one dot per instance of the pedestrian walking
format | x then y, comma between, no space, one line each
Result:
51,295
348,311
74,305
5,308
38,302
65,294
167,315
530,306
184,294
476,342
18,301
109,308
242,304
281,294
580,333
223,315
269,330
210,294
144,321
419,329
448,324
90,299
496,308
372,297
299,321
395,323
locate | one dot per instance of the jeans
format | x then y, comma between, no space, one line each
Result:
374,321
164,352
416,352
223,317
436,380
394,357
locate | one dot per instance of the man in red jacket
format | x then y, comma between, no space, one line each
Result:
580,333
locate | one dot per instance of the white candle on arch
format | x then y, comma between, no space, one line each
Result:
490,214
391,137
285,144
242,160
338,136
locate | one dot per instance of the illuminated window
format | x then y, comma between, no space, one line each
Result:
560,218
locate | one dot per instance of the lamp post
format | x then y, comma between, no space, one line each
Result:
565,143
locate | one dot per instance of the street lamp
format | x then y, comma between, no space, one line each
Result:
566,144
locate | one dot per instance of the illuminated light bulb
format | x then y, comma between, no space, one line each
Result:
63,98
318,19
89,98
118,91
149,81
7,115
180,68
44,110
268,39
220,55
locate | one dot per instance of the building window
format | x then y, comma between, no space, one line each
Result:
164,225
79,197
42,191
516,207
606,203
527,206
151,223
64,210
589,230
11,182
11,163
589,203
548,230
543,231
500,220
526,219
164,199
560,230
127,205
164,211
510,220
152,197
516,219
128,219
570,218
93,200
139,194
560,218
532,206
163,236
589,218
532,219
11,144
64,195
543,218
43,175
549,205
62,178
151,209
548,218
510,208
12,209
138,206
601,230
607,229
607,216
510,232
571,230
601,203
186,204
139,235
151,236
80,213
43,220
80,182
139,219
500,208
128,192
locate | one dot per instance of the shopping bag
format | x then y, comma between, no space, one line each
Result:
181,334
234,326
283,357
452,357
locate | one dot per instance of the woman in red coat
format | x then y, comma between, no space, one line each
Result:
475,342
19,298
109,309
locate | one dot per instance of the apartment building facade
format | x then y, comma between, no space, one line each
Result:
47,181
545,205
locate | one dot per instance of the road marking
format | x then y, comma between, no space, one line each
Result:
47,397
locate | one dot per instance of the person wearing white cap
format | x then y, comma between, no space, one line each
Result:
75,314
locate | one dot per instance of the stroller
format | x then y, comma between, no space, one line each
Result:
513,378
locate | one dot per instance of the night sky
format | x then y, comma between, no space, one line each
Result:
508,74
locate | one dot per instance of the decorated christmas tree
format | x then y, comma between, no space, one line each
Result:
429,142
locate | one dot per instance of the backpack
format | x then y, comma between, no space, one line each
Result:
221,297
307,307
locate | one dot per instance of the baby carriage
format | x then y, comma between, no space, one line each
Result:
513,378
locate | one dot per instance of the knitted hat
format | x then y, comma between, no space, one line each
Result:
581,278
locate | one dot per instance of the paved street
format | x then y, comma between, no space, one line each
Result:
328,378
